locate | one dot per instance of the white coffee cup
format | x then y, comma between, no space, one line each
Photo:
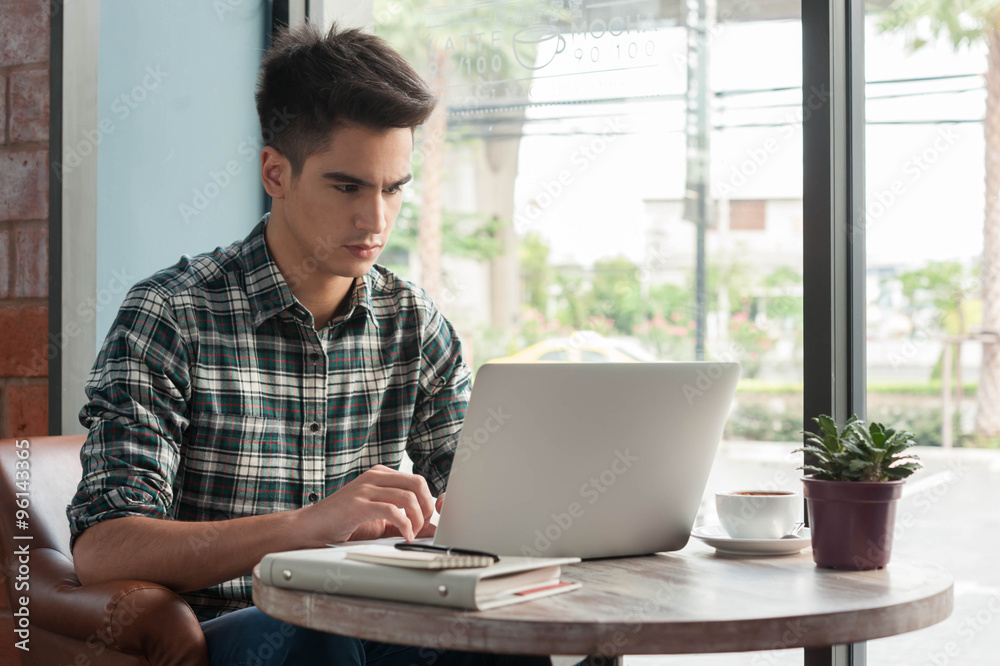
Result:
758,514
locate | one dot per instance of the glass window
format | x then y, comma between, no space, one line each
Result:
929,278
560,194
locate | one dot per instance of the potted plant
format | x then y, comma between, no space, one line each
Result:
854,477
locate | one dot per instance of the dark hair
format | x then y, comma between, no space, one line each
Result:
310,83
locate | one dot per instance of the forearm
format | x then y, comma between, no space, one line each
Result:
183,556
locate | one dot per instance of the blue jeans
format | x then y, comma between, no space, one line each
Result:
248,637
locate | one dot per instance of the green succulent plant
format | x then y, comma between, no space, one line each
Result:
857,452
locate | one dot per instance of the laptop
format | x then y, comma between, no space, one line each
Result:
586,460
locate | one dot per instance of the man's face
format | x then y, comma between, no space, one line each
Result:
340,209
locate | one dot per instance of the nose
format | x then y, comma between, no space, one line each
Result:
371,215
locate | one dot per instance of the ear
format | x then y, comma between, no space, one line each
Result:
275,172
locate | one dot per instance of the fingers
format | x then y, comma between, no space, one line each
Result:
379,502
390,530
416,484
440,502
428,530
400,508
395,521
373,529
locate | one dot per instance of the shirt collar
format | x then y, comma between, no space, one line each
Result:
360,300
269,293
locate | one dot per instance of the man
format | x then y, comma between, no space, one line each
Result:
259,397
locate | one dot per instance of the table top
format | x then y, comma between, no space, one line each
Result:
691,601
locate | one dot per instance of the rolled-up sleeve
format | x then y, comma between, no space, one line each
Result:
137,395
442,396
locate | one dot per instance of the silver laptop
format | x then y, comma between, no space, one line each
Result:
585,459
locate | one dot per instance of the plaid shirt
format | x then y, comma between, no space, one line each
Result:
213,397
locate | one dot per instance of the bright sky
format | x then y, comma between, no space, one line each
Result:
584,191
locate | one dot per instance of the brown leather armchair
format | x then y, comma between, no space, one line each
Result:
117,623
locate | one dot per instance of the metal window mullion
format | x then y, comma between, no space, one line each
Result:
55,216
857,261
833,208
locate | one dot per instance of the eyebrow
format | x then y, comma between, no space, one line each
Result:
342,177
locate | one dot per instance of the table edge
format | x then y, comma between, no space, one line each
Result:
477,630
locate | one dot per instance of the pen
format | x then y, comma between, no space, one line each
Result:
430,548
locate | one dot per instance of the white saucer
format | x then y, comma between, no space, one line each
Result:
716,537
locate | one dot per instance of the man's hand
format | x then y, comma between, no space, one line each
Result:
380,503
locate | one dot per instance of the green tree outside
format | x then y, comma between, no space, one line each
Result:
967,22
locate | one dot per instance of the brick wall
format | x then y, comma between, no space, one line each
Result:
24,236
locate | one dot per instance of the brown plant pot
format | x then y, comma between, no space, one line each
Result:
851,522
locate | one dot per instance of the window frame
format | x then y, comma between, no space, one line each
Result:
833,223
833,210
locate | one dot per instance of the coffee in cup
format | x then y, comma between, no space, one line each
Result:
758,514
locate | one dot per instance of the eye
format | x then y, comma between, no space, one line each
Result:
346,189
395,189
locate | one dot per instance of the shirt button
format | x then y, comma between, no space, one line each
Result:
314,427
314,357
313,497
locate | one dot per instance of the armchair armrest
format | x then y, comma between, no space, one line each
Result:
131,616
